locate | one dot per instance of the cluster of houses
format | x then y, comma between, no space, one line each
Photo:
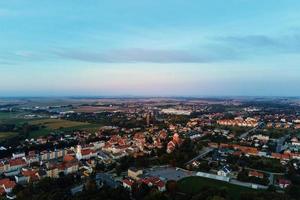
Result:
23,168
253,151
238,150
175,142
282,121
136,176
137,144
239,121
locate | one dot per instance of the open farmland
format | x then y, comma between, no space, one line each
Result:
57,123
50,125
90,109
5,135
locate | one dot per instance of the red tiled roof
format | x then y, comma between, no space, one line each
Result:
256,174
7,183
68,158
154,181
87,152
284,182
17,162
2,191
28,172
128,182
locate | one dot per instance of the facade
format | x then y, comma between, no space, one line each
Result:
135,173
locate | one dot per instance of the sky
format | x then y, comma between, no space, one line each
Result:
150,48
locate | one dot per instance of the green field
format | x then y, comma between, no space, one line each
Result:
51,125
192,185
5,135
46,125
13,117
57,123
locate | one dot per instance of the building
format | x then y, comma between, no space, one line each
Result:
256,174
85,153
249,122
284,183
6,185
172,111
224,171
135,173
175,142
154,182
127,183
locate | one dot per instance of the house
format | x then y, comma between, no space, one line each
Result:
18,155
32,159
44,155
4,166
171,147
224,171
284,183
52,172
70,167
26,176
134,173
7,185
127,183
16,164
176,141
256,174
154,182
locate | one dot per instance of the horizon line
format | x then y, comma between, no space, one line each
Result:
148,96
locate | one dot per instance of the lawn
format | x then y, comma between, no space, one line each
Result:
192,185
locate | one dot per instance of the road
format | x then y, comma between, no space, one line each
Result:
203,152
247,133
249,185
271,174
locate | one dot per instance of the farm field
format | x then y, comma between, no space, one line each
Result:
13,117
192,185
51,125
57,123
5,135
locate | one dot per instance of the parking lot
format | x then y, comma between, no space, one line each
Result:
168,173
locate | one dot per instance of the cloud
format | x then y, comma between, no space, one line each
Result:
281,44
251,40
218,49
132,55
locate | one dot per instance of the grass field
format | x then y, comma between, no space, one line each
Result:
49,125
13,117
60,124
5,135
57,123
192,185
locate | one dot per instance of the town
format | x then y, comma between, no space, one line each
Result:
168,148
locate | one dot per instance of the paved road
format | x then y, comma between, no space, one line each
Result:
271,174
247,133
168,173
249,185
203,152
